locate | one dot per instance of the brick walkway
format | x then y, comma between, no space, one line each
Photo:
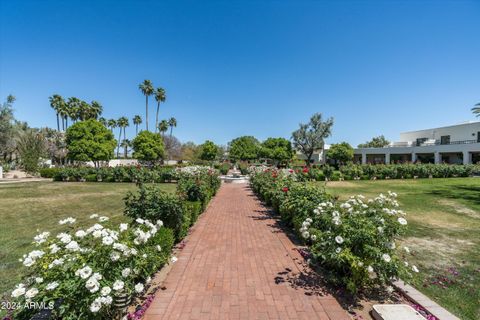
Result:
238,265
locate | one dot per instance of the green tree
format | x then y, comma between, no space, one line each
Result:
244,148
476,110
137,120
8,129
376,142
74,110
310,137
209,151
147,89
57,103
90,141
122,123
160,96
148,146
103,121
172,122
340,152
277,149
190,151
31,147
163,127
125,145
112,124
95,110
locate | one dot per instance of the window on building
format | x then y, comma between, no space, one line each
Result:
420,141
445,140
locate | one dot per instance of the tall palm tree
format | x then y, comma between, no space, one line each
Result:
147,89
74,110
137,120
476,110
125,144
163,127
122,123
96,109
160,96
112,124
172,122
57,103
103,121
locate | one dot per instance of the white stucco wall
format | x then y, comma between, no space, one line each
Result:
460,132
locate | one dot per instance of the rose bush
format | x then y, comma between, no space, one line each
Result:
84,271
355,240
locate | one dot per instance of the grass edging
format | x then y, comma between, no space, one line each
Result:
419,298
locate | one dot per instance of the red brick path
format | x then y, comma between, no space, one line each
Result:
237,265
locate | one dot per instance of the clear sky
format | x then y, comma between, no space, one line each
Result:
234,68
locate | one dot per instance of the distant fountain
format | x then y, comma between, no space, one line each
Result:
234,176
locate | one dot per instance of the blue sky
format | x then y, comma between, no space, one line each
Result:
234,68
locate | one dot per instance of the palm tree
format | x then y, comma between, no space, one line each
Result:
74,110
147,89
96,109
160,96
57,103
476,110
137,120
125,144
112,124
122,123
163,127
172,122
103,121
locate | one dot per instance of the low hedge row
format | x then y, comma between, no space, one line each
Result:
111,174
178,211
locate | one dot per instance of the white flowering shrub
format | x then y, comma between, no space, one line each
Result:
84,271
355,241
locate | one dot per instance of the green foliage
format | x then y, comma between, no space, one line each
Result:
224,168
277,149
310,137
148,146
93,259
209,151
341,152
244,148
31,147
90,141
376,142
152,203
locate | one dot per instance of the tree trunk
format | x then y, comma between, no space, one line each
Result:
119,137
125,138
156,117
58,122
63,123
136,129
66,122
171,129
146,111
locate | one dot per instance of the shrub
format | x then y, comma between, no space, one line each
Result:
300,201
355,240
49,172
152,203
83,272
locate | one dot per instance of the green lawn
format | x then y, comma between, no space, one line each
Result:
28,207
444,233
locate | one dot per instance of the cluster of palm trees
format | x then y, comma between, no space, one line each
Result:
476,110
146,87
74,109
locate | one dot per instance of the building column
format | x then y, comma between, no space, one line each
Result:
466,157
387,158
414,157
438,158
364,158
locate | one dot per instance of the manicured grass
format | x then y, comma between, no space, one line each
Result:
28,207
444,234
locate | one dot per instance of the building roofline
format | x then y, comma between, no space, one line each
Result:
453,125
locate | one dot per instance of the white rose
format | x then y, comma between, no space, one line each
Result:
106,291
52,285
118,285
31,293
139,287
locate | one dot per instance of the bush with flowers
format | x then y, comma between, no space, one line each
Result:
355,240
84,271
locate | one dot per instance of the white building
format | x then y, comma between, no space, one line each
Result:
318,157
454,144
